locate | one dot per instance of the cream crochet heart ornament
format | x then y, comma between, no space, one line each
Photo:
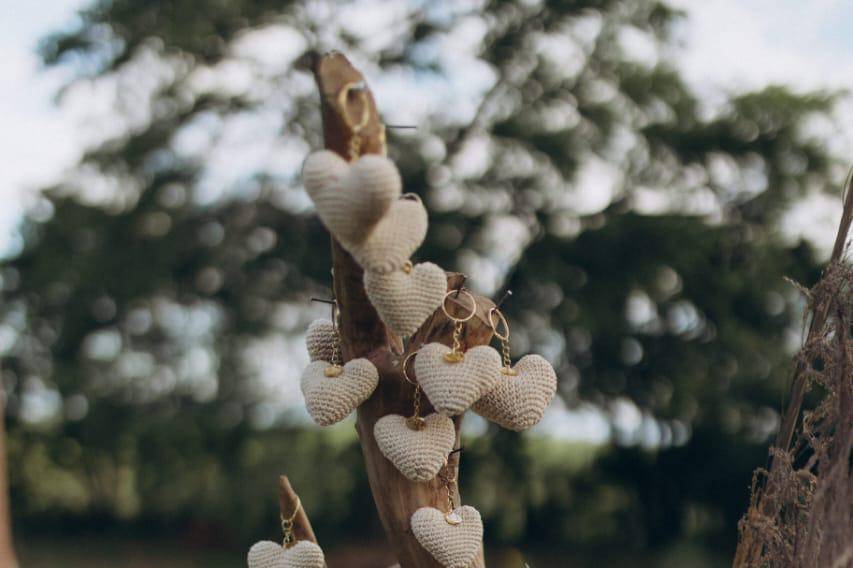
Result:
405,299
453,387
518,401
351,198
321,340
268,554
452,545
417,453
399,234
330,399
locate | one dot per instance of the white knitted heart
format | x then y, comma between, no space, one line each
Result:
399,234
321,340
331,399
453,387
452,545
303,554
518,402
418,454
404,300
351,198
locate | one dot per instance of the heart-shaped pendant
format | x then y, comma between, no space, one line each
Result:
417,448
321,340
351,198
396,236
452,387
303,554
454,538
405,298
519,400
332,393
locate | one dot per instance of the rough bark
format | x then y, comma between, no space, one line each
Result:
364,335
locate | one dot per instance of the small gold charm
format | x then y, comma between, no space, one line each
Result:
415,422
407,267
333,371
453,518
509,371
454,356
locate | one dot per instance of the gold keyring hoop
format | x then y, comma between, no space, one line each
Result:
473,304
501,320
365,109
406,366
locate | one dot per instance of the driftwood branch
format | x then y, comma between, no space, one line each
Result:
288,501
364,335
7,552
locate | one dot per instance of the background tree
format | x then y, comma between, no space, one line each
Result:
159,301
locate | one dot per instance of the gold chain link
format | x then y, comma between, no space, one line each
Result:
287,526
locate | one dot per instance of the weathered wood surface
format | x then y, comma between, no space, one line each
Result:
364,335
288,501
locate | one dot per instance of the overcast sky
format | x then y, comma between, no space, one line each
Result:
726,46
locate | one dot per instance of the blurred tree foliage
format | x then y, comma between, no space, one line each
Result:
163,281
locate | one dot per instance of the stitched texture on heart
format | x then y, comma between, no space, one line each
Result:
418,454
403,300
453,387
268,554
351,198
320,340
397,235
453,546
518,402
331,399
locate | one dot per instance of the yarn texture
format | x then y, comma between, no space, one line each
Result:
418,454
320,340
453,546
453,387
331,399
351,198
399,234
405,300
518,402
268,554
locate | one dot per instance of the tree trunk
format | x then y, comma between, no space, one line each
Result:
364,335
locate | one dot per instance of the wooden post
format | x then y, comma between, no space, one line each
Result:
364,335
288,501
7,552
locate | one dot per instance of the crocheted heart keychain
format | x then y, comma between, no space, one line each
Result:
453,537
332,390
452,378
417,446
290,553
522,393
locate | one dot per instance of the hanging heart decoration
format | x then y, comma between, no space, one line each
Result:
418,452
394,239
404,299
452,387
321,340
351,198
519,398
332,393
453,539
268,554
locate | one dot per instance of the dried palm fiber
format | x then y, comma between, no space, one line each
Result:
801,509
